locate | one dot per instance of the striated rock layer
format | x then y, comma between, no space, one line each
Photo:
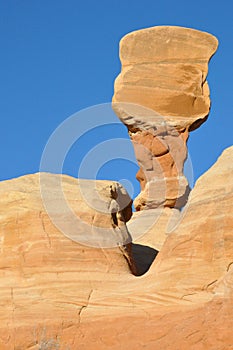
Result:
164,69
58,293
161,95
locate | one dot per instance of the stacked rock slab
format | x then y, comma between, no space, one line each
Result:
161,95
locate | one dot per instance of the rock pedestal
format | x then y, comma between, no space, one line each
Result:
161,95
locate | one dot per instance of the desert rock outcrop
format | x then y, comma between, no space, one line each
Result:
67,260
161,95
57,291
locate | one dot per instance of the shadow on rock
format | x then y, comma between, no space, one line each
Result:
143,256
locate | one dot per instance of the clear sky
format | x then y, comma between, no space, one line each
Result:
60,56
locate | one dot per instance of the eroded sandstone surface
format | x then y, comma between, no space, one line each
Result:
161,95
79,271
164,69
57,291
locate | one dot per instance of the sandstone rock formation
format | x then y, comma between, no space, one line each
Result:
103,209
58,293
45,274
161,95
164,69
70,275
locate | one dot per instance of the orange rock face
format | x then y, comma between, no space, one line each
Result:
164,69
79,271
58,293
161,159
45,272
161,95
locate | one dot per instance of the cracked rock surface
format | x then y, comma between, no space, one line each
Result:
58,292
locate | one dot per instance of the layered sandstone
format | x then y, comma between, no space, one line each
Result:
48,271
161,95
71,277
58,293
164,69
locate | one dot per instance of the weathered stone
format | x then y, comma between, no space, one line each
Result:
198,253
164,68
152,227
61,288
159,147
98,204
57,292
160,95
159,192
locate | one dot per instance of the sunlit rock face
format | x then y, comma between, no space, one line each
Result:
69,273
54,230
59,293
161,95
164,68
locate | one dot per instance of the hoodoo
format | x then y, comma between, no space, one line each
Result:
76,291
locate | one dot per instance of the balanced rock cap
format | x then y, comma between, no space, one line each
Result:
164,71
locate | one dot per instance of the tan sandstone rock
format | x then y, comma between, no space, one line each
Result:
161,95
45,271
164,68
67,264
59,293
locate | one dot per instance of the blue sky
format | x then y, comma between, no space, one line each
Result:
58,57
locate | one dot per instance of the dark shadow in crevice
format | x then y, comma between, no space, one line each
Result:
142,256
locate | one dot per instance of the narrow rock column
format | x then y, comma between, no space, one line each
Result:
161,152
120,214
